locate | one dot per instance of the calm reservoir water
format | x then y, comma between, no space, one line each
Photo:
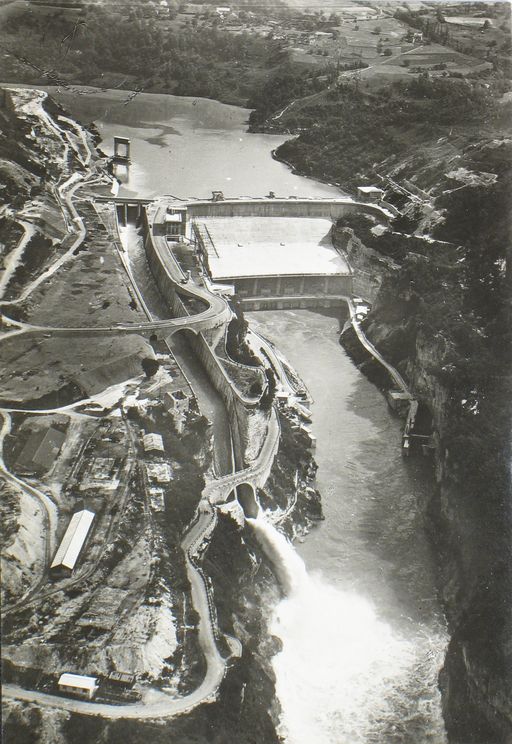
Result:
188,146
362,631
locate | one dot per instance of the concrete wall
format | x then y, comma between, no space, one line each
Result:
291,303
304,285
330,209
236,405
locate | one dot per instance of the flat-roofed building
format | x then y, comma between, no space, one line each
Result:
78,685
156,496
72,543
370,193
123,679
158,472
175,223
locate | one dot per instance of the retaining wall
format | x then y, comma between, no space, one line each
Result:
237,406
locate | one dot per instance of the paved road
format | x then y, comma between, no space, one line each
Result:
159,705
396,376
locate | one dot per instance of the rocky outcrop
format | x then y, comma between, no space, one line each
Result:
369,266
421,329
23,543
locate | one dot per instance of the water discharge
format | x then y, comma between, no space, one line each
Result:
362,634
338,656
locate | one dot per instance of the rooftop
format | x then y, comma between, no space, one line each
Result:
153,442
42,448
78,680
73,540
266,246
370,190
160,472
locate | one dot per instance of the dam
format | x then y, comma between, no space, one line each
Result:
273,253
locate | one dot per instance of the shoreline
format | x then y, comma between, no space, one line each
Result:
297,172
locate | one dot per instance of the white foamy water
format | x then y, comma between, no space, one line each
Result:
342,670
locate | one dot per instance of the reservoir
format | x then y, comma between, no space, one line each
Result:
187,147
362,631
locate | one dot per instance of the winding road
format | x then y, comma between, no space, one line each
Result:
154,704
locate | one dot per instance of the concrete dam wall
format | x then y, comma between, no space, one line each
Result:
328,208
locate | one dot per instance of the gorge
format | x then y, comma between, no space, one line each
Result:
369,571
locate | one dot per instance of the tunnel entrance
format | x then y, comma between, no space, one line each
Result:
247,500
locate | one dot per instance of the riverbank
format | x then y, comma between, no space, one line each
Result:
188,146
376,554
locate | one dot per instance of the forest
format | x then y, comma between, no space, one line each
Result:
135,52
348,129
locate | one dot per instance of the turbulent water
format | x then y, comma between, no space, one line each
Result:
362,632
339,659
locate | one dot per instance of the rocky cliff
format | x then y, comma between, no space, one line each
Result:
441,315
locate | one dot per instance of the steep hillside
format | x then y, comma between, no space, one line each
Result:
348,135
441,314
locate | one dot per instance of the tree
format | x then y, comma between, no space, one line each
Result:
268,396
150,366
387,52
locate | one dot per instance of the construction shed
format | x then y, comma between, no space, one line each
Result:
121,679
78,685
72,543
41,449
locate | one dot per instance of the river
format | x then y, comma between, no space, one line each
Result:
362,631
363,634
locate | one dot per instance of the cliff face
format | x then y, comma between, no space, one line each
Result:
429,321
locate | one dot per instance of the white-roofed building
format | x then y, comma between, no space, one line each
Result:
78,685
153,443
175,223
370,193
73,541
158,472
157,498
